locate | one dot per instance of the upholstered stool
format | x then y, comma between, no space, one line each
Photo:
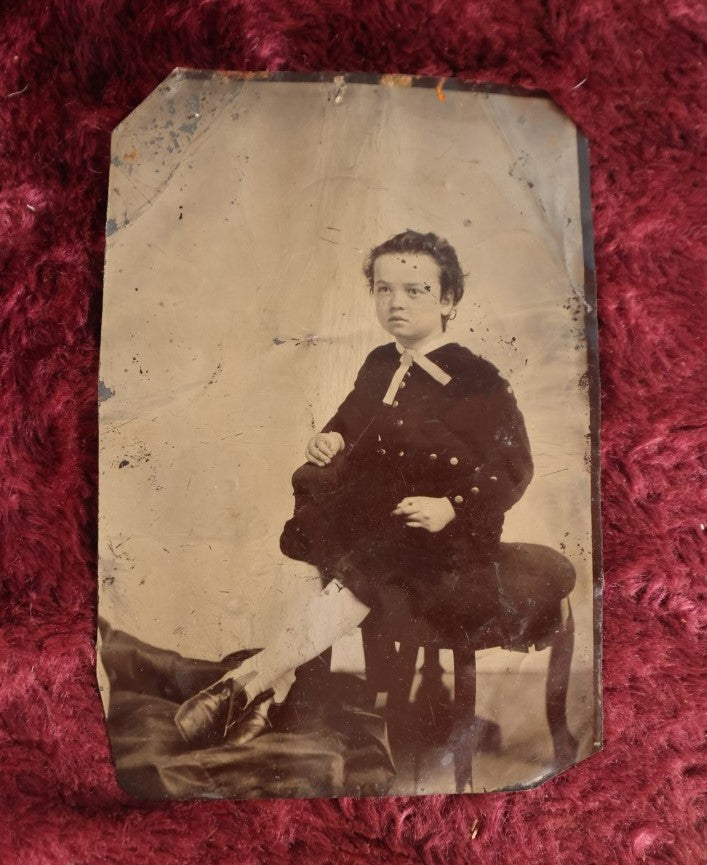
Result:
392,670
535,583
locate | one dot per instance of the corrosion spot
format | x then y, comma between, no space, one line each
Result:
340,83
104,392
259,75
396,80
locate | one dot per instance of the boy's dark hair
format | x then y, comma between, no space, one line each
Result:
451,277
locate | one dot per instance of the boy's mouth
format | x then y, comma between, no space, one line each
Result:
397,319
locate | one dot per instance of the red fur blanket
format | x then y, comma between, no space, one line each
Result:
632,76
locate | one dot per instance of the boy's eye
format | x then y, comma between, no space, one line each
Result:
413,292
382,289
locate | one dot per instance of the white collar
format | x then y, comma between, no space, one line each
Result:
428,346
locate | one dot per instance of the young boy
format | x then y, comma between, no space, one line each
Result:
426,453
402,502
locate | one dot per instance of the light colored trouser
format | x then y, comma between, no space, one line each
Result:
330,614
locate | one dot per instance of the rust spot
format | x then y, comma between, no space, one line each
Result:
438,90
131,154
396,80
251,76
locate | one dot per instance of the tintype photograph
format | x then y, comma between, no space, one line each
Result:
348,514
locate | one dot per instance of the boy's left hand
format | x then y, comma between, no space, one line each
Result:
425,512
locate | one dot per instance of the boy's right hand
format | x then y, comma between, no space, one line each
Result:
323,447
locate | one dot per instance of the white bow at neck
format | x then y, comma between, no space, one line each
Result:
408,356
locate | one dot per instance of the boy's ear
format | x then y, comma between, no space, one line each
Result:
446,302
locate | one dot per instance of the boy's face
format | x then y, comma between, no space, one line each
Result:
408,299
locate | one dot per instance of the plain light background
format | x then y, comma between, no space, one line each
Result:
236,316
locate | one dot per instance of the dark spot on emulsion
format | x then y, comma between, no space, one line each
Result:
104,392
123,463
428,287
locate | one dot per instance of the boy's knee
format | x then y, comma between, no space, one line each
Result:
310,481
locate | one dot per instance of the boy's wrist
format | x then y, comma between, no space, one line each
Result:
339,438
451,510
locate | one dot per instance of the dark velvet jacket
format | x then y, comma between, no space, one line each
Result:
465,440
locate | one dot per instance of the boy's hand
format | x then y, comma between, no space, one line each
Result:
425,512
323,447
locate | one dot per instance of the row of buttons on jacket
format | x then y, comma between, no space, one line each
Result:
454,461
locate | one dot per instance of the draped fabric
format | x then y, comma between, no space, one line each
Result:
324,741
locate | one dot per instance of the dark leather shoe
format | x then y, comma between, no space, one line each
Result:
254,723
204,719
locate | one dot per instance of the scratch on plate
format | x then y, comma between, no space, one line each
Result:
557,472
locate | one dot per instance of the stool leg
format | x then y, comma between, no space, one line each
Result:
404,673
463,737
558,675
432,669
433,701
379,657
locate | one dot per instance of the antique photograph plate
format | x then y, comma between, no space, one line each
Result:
349,537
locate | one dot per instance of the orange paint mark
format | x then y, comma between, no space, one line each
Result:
438,90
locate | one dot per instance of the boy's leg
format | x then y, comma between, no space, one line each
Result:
330,614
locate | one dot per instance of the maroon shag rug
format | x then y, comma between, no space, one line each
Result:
631,75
